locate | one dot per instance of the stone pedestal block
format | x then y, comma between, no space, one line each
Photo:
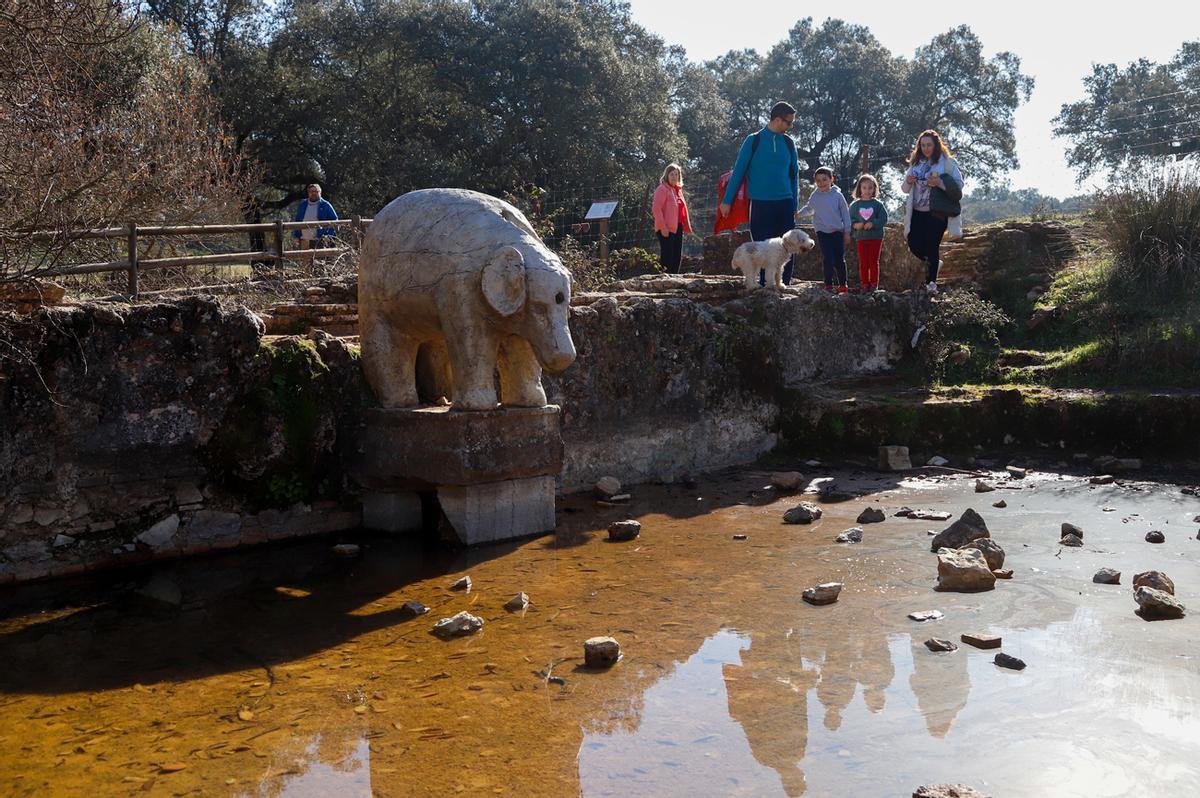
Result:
427,447
494,511
492,472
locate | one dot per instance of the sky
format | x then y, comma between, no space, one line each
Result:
1057,43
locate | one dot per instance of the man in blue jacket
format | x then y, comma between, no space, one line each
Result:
769,163
314,209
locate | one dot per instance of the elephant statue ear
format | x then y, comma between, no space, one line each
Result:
504,281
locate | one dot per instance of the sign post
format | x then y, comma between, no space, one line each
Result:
602,211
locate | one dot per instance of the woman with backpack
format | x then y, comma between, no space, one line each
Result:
934,186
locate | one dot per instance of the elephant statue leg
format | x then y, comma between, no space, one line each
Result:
520,374
390,361
473,361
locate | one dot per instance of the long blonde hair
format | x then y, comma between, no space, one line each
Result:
667,171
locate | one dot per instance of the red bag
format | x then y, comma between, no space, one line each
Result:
739,213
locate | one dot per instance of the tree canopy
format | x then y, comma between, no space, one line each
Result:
1143,111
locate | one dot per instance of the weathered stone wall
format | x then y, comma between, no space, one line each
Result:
682,375
128,434
160,430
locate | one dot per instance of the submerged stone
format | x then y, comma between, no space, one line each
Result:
938,644
1015,472
826,593
624,530
517,603
1157,604
1154,536
464,623
981,640
1070,540
463,584
1102,479
992,552
852,535
926,615
947,791
871,515
1155,579
412,608
803,513
983,487
601,652
964,571
787,480
968,527
1001,504
894,458
1071,529
1009,661
607,487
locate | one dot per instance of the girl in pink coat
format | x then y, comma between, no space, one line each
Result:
670,218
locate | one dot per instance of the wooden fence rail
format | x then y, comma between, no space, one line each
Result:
133,232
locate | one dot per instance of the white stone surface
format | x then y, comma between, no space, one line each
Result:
499,510
160,536
463,277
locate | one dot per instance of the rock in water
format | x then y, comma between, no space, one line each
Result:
462,584
161,590
411,609
926,615
991,551
964,571
947,791
464,623
624,530
1070,540
852,535
1157,604
802,513
1009,661
936,461
1001,504
1155,579
894,458
517,603
826,593
607,486
787,480
968,527
1071,529
741,536
871,515
1107,576
1002,573
601,652
938,644
928,515
983,487
346,551
981,640
1015,472
1154,536
1102,479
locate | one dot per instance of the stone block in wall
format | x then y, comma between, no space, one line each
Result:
499,510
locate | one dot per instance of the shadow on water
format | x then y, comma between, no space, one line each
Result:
251,609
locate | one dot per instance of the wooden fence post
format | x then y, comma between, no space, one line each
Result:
279,243
133,260
356,233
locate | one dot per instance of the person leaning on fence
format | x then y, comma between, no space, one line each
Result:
769,163
314,209
670,218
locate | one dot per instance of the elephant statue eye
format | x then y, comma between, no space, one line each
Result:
559,298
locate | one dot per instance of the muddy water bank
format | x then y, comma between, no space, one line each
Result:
290,672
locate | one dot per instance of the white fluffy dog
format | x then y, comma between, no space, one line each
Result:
770,255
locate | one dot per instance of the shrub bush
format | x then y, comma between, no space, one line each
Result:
1152,228
961,342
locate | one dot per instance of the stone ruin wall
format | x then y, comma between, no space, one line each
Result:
134,433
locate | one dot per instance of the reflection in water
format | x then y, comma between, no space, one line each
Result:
325,766
686,742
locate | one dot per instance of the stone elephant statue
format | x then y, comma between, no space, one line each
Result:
452,286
